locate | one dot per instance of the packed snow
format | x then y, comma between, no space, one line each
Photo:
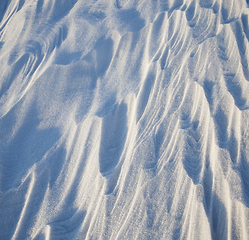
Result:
124,119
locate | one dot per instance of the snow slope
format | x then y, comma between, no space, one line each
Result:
124,119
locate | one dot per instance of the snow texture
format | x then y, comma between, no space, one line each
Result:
124,119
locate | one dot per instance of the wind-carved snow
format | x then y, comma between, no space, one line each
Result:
124,119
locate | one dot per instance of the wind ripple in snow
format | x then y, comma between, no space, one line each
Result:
124,119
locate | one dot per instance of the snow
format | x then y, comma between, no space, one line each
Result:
124,119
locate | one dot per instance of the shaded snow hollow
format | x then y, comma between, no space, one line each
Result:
124,119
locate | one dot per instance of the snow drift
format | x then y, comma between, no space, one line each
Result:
124,119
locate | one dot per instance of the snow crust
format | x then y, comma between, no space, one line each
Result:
124,119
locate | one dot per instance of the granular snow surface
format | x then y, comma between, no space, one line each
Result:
124,119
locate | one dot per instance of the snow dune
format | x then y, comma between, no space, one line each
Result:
124,119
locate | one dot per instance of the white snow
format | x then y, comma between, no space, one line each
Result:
124,119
